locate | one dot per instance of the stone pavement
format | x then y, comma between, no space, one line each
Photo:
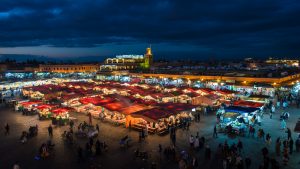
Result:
65,156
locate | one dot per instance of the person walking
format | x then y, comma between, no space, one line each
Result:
129,125
195,162
90,119
98,147
297,143
240,146
250,131
277,146
71,124
285,158
79,154
97,128
259,120
283,124
272,111
278,104
284,105
191,141
225,163
248,162
268,139
198,114
16,165
289,133
6,129
50,130
215,134
196,143
207,152
291,145
173,138
160,149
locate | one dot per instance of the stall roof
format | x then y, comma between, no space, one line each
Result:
154,114
133,108
175,107
193,94
244,103
239,109
93,100
212,96
61,110
29,103
115,106
96,100
70,96
206,90
188,89
80,84
259,96
46,89
176,93
124,99
45,106
265,85
225,92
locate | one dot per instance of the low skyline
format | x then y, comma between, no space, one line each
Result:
176,29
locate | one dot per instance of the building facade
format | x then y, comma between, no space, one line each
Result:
285,62
128,62
78,68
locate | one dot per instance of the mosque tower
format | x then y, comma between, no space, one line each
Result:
148,58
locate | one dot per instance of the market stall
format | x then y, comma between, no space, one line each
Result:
43,111
237,117
233,123
26,106
207,100
161,117
60,116
244,103
154,120
225,94
111,112
258,98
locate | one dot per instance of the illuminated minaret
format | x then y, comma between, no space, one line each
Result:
148,58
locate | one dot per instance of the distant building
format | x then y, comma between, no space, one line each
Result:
128,62
3,67
69,68
284,62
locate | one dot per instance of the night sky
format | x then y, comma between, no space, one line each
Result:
194,29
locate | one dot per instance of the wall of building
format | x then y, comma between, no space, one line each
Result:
69,68
3,67
223,78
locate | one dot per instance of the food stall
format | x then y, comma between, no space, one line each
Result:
244,103
154,120
27,106
160,118
233,122
258,98
111,112
207,100
43,111
60,116
225,94
237,117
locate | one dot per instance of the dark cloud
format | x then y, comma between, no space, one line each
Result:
222,28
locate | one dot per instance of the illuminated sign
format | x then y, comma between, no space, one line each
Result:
130,56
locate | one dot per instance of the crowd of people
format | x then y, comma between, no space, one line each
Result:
230,156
